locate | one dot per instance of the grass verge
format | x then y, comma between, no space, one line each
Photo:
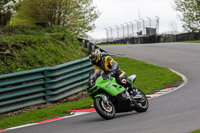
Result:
44,114
29,47
194,41
149,79
196,131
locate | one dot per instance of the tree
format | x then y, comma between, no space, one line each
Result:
5,11
190,14
76,15
6,5
83,16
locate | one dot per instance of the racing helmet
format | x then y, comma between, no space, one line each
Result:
95,56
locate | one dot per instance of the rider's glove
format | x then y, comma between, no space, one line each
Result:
109,75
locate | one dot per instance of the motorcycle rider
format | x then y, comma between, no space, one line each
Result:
111,69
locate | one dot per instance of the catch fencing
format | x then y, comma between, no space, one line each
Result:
131,29
156,39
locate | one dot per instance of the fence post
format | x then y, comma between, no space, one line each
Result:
46,86
88,47
93,47
83,43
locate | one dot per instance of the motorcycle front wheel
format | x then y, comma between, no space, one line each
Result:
107,111
141,105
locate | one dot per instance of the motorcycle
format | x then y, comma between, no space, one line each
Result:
111,98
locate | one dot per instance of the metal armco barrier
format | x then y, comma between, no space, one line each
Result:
43,85
90,46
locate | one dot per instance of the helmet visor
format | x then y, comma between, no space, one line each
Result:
93,58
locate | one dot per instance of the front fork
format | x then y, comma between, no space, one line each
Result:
104,98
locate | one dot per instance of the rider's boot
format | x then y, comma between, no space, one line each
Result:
133,91
136,94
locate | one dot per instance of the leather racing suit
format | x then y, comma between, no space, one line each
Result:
110,68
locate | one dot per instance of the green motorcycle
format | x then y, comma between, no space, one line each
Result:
111,98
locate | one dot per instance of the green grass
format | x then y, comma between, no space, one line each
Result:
36,47
194,41
44,114
196,131
149,78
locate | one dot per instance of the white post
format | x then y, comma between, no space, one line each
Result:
127,29
132,29
123,29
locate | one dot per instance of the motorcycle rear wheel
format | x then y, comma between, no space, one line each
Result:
143,104
104,110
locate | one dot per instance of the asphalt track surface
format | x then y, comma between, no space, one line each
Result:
176,112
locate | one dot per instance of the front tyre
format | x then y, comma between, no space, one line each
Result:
141,105
104,110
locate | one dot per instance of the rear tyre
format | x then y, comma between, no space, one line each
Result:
104,110
141,105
